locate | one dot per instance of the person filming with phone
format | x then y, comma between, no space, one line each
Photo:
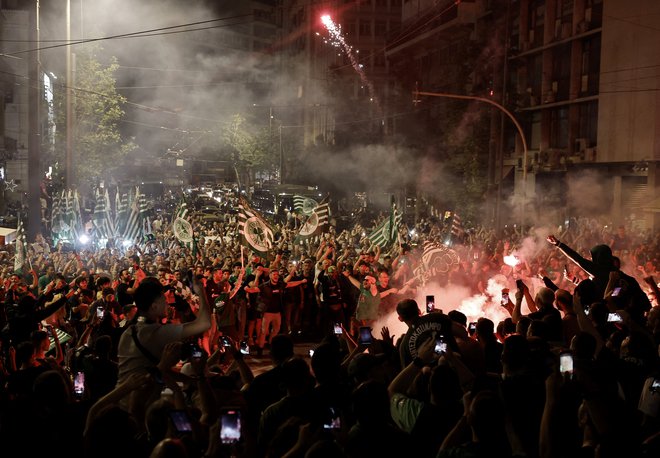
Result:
141,345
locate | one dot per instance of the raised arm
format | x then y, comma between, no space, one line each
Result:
573,255
202,321
352,279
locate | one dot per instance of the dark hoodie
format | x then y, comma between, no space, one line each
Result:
600,266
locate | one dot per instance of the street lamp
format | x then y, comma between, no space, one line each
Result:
417,93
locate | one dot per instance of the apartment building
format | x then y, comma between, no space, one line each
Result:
580,76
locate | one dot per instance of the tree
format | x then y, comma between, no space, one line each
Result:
251,151
98,145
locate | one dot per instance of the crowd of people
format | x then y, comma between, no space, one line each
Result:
146,351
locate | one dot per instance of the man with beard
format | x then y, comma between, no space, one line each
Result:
125,288
389,295
369,302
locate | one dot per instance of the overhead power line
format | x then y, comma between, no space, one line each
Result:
143,33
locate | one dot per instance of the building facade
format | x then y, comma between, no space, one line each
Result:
580,76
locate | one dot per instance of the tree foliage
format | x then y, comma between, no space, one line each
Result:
98,144
250,149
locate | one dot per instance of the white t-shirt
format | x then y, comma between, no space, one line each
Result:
153,337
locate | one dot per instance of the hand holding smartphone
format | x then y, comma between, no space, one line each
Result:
440,345
181,422
505,298
365,337
230,426
79,384
430,303
566,363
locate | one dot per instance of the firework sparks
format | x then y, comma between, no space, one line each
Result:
337,40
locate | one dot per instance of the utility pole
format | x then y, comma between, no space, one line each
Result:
34,136
68,163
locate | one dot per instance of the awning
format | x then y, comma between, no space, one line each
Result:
8,234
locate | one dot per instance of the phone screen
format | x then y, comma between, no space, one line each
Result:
440,346
245,349
614,317
472,327
311,352
230,427
334,419
655,385
79,384
616,291
100,312
365,335
180,421
430,303
338,329
505,299
566,363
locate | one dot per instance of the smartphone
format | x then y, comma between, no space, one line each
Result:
614,317
49,331
566,363
430,303
311,352
79,384
616,291
196,352
245,349
520,284
224,340
180,421
365,337
440,345
655,385
338,329
333,421
472,327
505,299
230,426
100,312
